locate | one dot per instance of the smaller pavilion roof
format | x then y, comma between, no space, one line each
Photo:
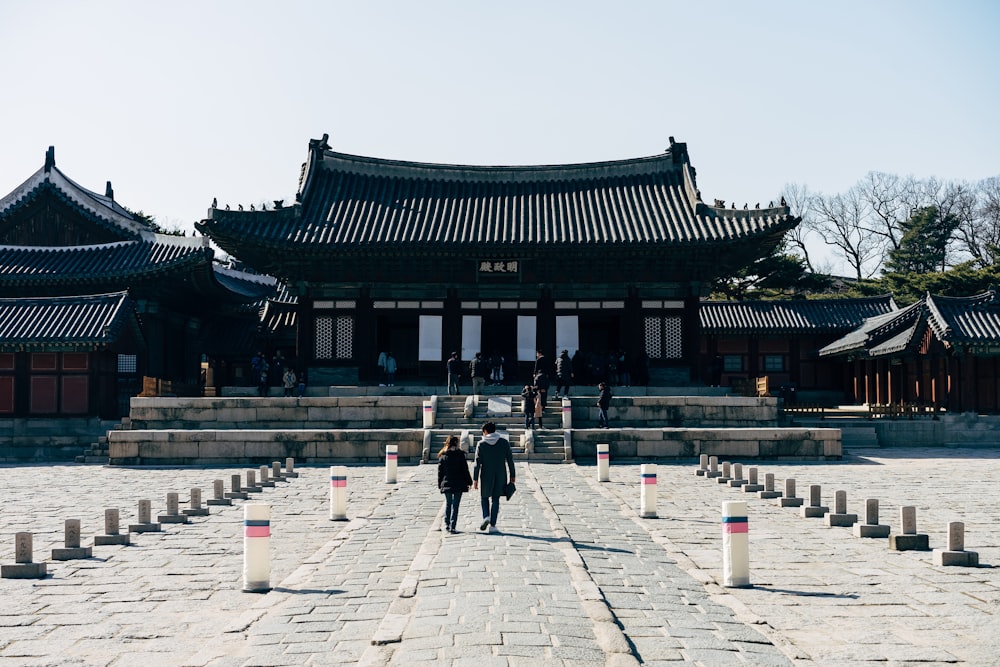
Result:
965,324
790,317
101,209
67,322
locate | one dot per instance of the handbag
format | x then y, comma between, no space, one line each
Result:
509,489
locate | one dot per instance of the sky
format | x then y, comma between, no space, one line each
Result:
184,101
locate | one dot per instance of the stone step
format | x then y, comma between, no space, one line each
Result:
859,436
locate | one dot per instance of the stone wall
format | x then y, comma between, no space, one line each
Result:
678,411
805,444
337,412
48,439
206,447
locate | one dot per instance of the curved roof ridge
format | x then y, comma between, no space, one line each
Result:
373,166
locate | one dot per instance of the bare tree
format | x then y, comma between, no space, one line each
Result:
979,232
842,221
800,202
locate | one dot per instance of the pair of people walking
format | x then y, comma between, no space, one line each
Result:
493,461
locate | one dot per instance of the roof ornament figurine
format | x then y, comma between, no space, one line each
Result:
240,206
215,202
227,207
746,207
252,208
109,192
279,203
783,201
757,205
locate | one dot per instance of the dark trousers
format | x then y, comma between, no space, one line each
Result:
602,417
452,499
563,387
491,509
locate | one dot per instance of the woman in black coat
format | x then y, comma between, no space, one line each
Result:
453,480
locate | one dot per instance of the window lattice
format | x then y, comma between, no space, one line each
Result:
345,337
654,338
126,364
663,338
324,337
672,348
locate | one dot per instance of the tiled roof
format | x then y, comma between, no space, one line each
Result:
873,330
93,263
790,317
70,322
99,208
965,322
357,204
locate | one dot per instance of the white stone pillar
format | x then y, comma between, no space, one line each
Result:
256,548
647,501
603,463
391,460
735,545
338,493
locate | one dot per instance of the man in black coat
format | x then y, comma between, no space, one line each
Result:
490,475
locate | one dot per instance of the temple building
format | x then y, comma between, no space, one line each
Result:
422,259
93,299
939,352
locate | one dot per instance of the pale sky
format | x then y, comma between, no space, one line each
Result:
182,101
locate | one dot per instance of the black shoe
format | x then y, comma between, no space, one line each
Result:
484,525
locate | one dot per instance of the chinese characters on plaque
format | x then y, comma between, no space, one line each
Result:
508,266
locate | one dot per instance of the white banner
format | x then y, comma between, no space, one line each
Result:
430,338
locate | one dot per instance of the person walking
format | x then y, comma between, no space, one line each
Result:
477,370
453,480
564,374
603,403
539,407
493,461
454,367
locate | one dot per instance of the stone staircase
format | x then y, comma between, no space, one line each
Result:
98,452
451,420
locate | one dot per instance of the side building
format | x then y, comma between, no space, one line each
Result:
417,259
94,299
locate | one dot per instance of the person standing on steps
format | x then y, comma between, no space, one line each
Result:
390,369
528,397
477,369
454,367
564,374
381,368
493,461
603,403
453,480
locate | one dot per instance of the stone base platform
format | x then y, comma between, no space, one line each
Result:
205,447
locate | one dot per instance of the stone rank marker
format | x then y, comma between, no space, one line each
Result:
196,509
737,481
713,468
768,493
252,486
702,465
871,527
276,472
727,473
956,554
265,481
72,550
839,516
23,568
752,486
790,500
145,524
237,492
909,539
172,515
112,534
814,510
290,468
219,491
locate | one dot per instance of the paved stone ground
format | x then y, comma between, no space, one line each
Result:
575,577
